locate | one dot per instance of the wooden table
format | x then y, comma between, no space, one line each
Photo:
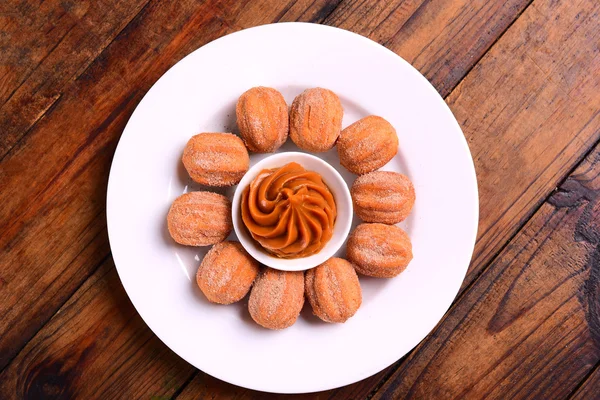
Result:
523,79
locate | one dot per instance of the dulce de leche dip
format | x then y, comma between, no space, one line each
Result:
289,211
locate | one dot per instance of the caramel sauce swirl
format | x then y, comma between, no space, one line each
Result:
289,211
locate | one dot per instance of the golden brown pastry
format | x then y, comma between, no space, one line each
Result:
226,273
382,196
216,159
200,218
379,250
316,120
367,144
262,117
276,298
333,290
289,211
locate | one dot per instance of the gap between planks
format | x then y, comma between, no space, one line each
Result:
585,378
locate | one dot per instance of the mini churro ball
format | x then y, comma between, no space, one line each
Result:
333,290
226,273
277,298
379,250
200,218
216,159
367,144
383,196
263,120
316,120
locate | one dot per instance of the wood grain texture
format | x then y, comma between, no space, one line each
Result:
45,46
530,325
96,346
442,39
590,389
309,10
52,222
530,110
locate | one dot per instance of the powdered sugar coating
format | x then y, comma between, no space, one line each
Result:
200,218
226,273
333,290
367,144
262,117
277,298
316,119
379,250
216,159
383,196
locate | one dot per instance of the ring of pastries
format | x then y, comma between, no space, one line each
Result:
226,273
383,196
200,219
262,118
290,212
379,250
277,298
333,290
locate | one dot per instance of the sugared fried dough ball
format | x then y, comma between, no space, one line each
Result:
367,144
379,250
200,218
226,273
382,196
276,298
216,159
333,290
316,119
262,117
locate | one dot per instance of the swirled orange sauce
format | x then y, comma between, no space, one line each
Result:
289,211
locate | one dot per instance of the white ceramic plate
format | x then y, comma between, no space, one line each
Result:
199,94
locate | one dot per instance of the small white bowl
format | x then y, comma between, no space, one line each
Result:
343,203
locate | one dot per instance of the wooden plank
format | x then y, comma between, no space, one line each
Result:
442,39
590,388
377,20
529,326
43,48
79,354
309,11
530,110
46,47
52,222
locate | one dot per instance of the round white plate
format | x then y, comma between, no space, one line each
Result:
198,95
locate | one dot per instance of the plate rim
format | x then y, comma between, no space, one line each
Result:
471,171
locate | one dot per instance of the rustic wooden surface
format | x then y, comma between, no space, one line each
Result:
522,78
